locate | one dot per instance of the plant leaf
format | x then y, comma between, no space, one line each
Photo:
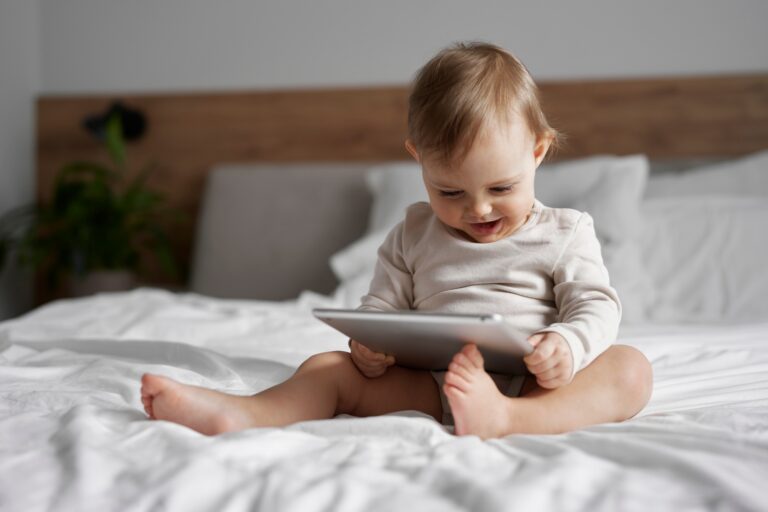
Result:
115,140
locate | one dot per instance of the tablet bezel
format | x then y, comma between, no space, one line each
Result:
441,335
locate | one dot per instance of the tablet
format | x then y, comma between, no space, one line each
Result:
428,341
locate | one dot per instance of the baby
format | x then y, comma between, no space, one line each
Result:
483,244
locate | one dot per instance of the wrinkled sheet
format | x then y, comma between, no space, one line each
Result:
73,434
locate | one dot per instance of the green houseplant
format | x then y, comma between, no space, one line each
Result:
99,221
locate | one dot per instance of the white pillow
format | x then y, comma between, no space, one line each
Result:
706,258
394,187
358,257
743,176
608,187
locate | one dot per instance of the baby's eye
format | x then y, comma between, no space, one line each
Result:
502,189
450,193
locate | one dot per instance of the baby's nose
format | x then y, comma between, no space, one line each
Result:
480,209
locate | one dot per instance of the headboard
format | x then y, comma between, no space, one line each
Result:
190,133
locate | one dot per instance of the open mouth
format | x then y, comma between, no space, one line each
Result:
486,228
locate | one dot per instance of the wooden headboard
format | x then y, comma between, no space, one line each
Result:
188,134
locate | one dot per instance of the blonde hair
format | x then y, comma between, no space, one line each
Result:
461,89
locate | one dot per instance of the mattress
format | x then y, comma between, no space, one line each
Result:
74,436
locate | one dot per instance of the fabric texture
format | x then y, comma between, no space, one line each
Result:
548,276
74,436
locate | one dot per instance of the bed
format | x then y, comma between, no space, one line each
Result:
683,229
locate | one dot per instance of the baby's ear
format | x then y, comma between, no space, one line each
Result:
541,148
412,150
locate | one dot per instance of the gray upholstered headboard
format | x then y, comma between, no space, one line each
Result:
267,231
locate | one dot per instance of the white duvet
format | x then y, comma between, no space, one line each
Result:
73,434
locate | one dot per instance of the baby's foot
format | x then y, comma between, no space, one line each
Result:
477,405
205,410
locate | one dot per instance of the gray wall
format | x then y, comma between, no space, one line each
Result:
19,81
113,45
94,45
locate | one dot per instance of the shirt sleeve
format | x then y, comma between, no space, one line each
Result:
392,284
589,310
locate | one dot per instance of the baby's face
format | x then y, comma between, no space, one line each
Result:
489,195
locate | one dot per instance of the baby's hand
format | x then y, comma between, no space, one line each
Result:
550,360
371,364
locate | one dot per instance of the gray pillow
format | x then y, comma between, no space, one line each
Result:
267,231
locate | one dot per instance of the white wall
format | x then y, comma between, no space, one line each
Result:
19,81
154,45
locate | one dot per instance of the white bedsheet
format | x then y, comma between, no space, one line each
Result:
73,435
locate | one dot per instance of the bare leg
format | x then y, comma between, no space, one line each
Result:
614,387
323,386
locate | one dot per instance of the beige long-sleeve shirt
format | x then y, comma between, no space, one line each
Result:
547,276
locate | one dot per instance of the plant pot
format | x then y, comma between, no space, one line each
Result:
102,281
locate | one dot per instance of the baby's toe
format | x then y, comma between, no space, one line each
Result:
473,355
152,384
451,391
459,359
456,379
462,371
